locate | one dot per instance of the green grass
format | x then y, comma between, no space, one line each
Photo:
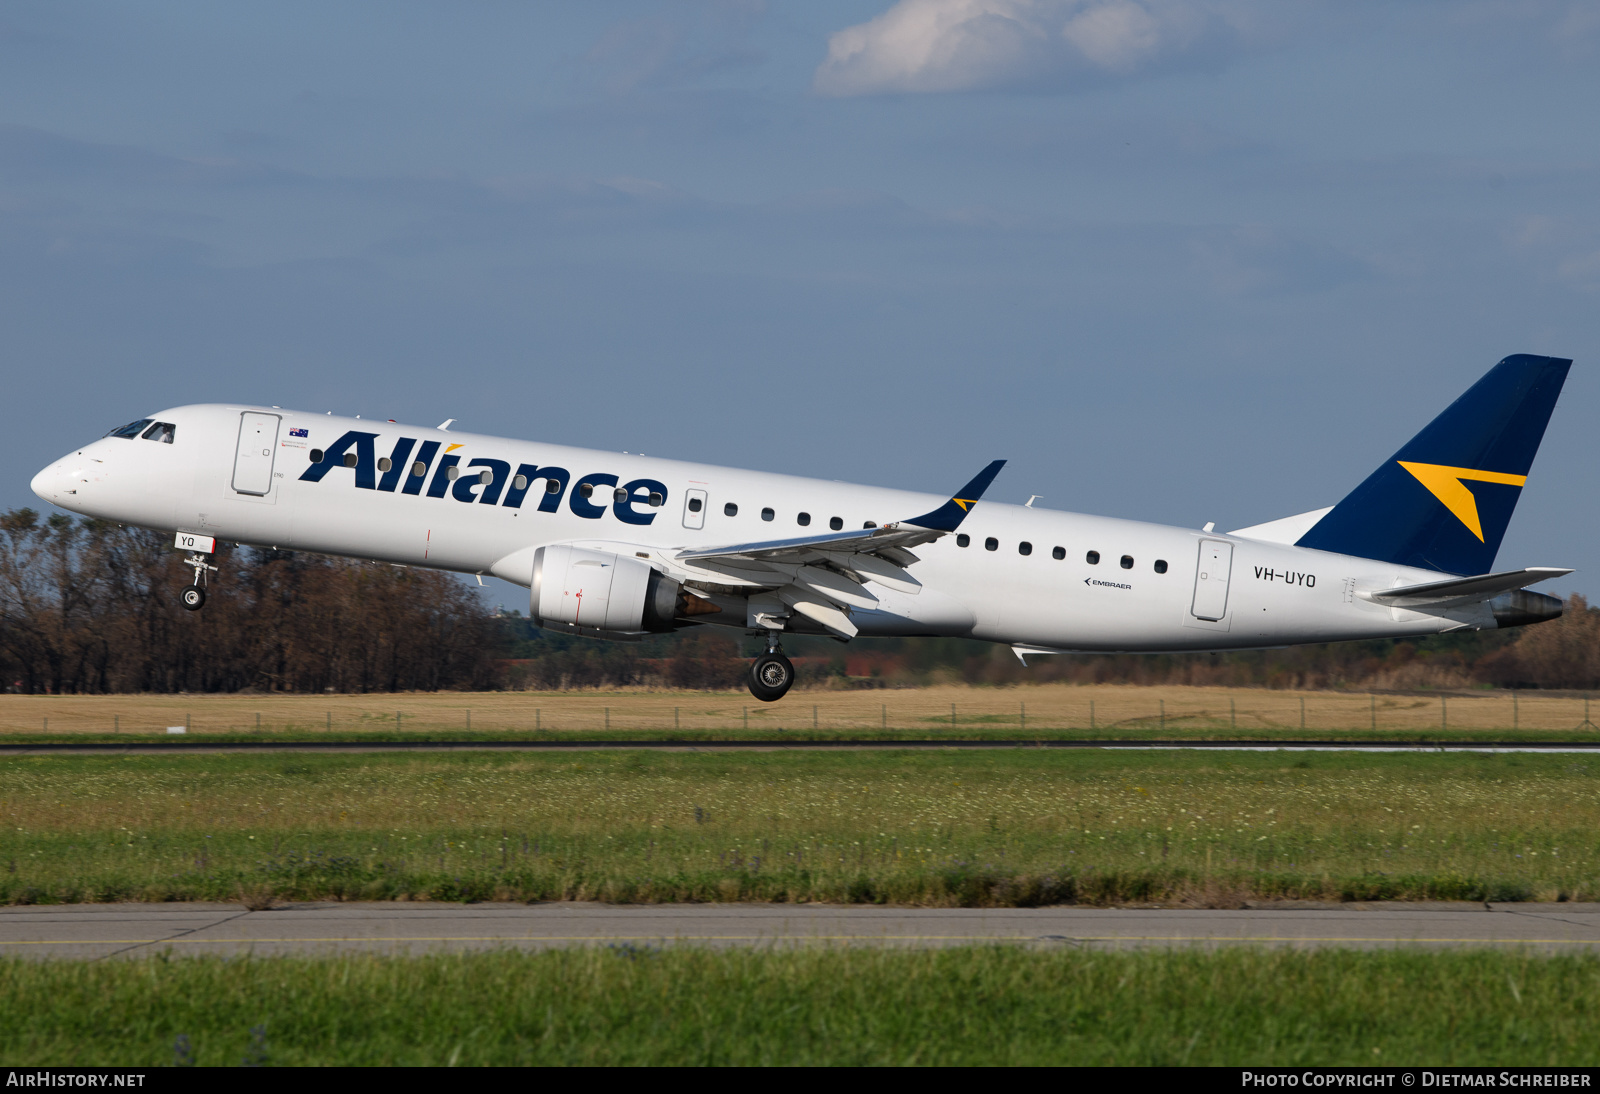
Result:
990,828
972,1006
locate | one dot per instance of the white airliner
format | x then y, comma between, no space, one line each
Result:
620,546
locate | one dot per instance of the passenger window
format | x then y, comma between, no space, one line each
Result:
1058,553
767,514
836,523
384,463
518,483
803,520
551,486
657,500
584,488
991,544
316,457
453,474
1127,562
1161,565
1092,558
485,476
963,540
418,469
350,459
131,430
619,494
730,510
1024,548
695,505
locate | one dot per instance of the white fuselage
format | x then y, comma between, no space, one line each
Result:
1272,594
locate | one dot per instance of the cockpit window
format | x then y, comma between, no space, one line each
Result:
161,431
131,430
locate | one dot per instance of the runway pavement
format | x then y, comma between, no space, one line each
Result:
106,930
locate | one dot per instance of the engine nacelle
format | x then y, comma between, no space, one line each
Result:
600,594
1524,607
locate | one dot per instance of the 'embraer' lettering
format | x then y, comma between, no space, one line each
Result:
485,481
1287,577
1106,584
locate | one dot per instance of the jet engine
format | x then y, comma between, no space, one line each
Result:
1523,607
599,594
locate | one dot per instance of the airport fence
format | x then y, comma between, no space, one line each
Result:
929,712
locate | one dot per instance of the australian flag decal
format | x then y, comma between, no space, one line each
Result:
299,433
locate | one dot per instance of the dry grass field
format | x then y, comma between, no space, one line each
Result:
1108,710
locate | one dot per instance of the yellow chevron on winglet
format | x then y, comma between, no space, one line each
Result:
963,502
1446,484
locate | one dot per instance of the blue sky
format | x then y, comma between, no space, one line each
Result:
1178,260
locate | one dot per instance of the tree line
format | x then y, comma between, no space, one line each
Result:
88,606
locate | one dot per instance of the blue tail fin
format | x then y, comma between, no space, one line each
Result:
1444,500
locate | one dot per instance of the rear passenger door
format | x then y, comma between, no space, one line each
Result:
1211,580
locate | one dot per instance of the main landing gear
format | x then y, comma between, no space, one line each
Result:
772,674
193,597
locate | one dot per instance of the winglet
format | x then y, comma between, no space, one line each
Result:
948,517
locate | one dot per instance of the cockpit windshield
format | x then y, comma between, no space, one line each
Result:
131,430
161,431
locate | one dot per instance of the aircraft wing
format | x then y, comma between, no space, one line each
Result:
1464,590
822,576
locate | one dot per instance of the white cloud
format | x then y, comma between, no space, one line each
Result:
961,45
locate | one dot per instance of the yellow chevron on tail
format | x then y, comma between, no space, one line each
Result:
1448,484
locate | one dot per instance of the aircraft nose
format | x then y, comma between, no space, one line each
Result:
47,483
55,483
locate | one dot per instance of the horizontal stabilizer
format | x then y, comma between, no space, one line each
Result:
1464,590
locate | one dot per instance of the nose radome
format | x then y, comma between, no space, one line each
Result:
59,481
47,483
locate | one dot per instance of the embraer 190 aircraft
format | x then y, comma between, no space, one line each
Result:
622,546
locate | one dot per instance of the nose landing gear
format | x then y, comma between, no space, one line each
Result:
772,674
193,597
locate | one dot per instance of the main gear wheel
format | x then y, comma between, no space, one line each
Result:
771,677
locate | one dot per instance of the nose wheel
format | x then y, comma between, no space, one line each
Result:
771,676
193,597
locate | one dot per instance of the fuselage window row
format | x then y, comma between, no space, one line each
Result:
161,431
1058,553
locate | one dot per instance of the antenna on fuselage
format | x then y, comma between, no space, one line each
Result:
446,424
1031,499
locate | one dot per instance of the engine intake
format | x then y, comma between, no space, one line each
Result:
601,595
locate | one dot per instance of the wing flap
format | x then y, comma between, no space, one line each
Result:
886,572
818,610
834,586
